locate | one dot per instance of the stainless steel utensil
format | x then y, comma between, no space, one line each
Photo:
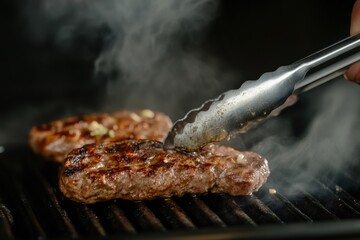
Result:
237,110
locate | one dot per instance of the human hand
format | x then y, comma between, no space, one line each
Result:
353,73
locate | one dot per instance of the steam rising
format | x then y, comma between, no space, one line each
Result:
331,142
152,53
155,57
146,32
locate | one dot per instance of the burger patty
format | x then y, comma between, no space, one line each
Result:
56,139
142,169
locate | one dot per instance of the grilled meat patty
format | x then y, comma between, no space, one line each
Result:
142,169
56,139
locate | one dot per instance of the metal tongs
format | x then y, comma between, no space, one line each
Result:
237,110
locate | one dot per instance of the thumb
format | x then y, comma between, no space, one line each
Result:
355,19
353,73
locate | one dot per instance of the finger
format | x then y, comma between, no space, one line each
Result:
289,102
353,73
355,19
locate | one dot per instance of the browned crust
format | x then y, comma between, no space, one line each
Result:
56,139
141,169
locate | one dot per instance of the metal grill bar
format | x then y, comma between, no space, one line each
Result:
5,222
345,180
116,213
84,219
332,201
325,198
171,214
92,218
48,206
179,213
145,219
208,212
303,200
283,207
54,210
70,229
199,212
35,208
345,196
112,218
228,210
87,219
341,192
257,210
32,225
312,207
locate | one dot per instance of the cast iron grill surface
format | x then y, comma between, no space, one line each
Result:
32,207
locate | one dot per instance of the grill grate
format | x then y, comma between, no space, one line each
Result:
31,206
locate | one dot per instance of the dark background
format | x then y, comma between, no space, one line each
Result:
253,36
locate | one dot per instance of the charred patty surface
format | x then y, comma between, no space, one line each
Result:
142,169
56,139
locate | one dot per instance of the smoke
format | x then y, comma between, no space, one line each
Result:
329,145
156,55
147,32
151,54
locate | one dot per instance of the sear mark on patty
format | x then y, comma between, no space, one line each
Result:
56,139
142,169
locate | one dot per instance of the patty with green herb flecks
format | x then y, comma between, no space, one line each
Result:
56,139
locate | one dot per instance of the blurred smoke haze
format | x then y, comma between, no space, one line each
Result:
331,141
151,50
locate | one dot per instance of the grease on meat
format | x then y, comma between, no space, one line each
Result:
142,169
56,139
